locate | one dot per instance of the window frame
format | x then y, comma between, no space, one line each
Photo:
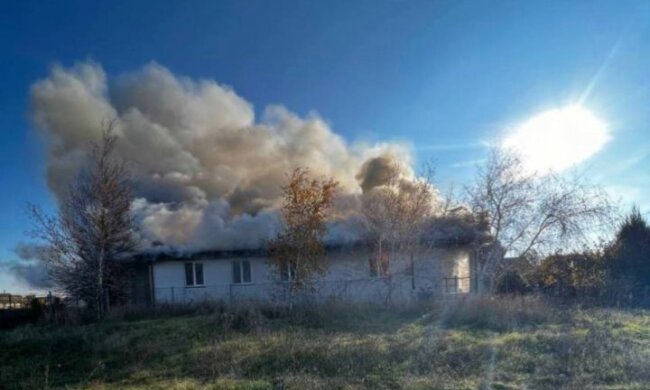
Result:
193,266
287,273
239,265
452,285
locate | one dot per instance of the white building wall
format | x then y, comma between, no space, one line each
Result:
348,278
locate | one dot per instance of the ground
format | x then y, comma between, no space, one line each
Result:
465,344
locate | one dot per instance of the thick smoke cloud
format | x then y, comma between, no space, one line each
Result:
377,171
207,171
29,268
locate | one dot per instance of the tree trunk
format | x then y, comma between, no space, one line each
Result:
486,274
100,285
412,272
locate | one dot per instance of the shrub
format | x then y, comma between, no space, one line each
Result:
512,282
572,276
628,262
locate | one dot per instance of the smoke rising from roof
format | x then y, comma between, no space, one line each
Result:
207,171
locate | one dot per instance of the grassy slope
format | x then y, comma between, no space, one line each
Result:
509,345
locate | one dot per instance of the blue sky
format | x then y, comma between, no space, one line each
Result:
444,76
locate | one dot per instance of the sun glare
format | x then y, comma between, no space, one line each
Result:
558,139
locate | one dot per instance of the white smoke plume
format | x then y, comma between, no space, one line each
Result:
207,172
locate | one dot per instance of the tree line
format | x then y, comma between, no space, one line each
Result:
617,272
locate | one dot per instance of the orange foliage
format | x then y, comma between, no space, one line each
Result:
299,246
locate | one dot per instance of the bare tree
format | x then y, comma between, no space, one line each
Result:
298,249
395,215
528,213
92,230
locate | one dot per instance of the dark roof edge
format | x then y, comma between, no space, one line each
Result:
174,255
199,255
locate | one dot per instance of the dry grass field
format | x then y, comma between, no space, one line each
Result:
472,343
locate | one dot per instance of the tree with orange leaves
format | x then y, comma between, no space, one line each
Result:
298,249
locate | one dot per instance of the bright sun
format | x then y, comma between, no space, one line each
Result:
558,139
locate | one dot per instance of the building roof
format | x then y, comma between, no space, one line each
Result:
456,230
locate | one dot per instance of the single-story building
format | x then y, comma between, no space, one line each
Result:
353,275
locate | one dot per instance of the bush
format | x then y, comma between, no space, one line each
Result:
628,262
572,276
512,282
618,275
11,318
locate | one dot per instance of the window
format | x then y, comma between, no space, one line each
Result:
198,273
451,285
457,285
287,273
193,274
378,264
241,272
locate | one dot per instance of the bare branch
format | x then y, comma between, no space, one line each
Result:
529,212
93,228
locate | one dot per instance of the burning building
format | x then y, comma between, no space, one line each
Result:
207,176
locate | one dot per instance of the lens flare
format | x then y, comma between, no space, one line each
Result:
558,139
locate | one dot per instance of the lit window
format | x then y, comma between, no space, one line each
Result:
241,272
193,274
